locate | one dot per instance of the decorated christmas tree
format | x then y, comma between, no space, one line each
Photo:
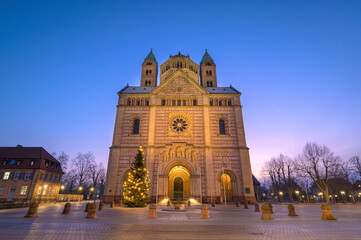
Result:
137,184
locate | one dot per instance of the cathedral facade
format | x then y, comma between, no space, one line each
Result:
191,130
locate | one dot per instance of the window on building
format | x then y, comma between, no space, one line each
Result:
51,178
6,175
136,124
12,162
29,175
184,103
207,83
129,102
52,165
222,127
22,175
49,191
2,189
56,178
210,73
17,175
211,103
179,102
194,102
1,175
229,103
23,190
173,102
138,102
248,190
220,103
211,84
46,163
146,83
57,166
44,190
32,162
147,102
163,102
18,163
46,177
39,190
150,72
54,191
149,83
5,162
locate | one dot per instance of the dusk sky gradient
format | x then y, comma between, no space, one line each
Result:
297,64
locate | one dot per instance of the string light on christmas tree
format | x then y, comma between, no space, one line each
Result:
136,186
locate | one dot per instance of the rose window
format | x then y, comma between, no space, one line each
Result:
179,125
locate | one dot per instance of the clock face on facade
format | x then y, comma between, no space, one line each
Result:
179,125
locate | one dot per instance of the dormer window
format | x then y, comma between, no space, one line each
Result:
57,166
18,163
32,162
12,162
5,162
46,164
52,165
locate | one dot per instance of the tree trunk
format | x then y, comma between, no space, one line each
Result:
325,193
290,194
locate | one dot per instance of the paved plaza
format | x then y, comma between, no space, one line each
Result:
225,223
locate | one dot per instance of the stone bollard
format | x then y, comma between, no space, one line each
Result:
237,204
92,211
101,206
120,203
266,212
33,211
291,210
86,207
112,204
246,205
152,211
271,208
213,204
256,207
189,203
67,207
327,213
168,203
204,212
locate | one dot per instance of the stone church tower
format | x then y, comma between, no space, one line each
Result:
191,131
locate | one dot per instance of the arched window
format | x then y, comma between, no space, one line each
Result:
210,73
222,127
146,83
184,102
211,84
211,103
179,102
207,83
194,102
163,102
136,126
149,83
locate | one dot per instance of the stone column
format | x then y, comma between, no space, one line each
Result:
152,211
67,207
204,212
92,211
33,211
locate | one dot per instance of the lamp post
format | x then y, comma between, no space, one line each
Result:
80,189
298,195
281,196
91,192
320,194
343,194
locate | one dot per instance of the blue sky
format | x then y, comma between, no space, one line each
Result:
297,64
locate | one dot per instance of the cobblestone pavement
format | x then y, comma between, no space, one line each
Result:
225,223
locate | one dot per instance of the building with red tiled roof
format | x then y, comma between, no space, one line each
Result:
28,173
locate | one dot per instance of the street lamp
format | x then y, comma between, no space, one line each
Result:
91,190
281,194
298,195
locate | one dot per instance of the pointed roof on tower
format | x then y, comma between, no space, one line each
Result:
151,56
205,57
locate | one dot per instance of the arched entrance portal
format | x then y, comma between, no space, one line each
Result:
226,187
179,183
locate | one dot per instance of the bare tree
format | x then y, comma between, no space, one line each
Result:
319,163
69,179
63,159
355,164
95,172
285,170
82,163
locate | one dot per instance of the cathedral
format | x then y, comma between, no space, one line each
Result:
191,130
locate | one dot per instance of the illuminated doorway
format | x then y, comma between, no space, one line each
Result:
226,187
179,183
